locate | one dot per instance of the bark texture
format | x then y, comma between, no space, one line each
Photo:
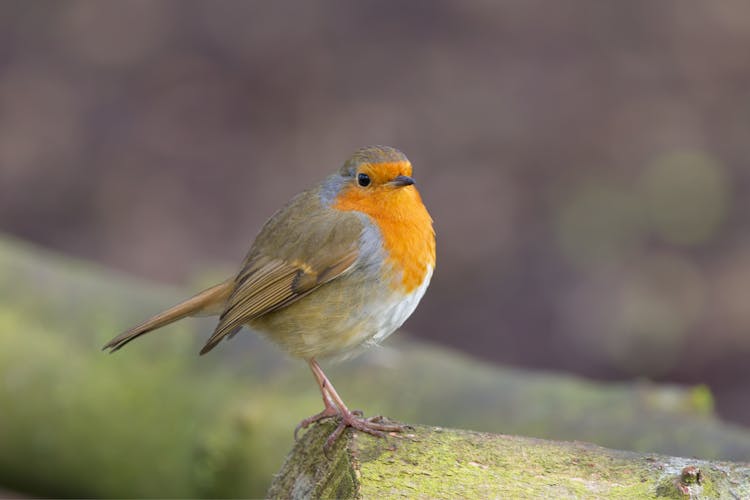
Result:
433,462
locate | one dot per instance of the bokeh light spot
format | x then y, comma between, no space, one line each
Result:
686,195
599,223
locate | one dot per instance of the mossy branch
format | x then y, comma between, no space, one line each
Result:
432,462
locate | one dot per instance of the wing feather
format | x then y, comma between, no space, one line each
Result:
272,286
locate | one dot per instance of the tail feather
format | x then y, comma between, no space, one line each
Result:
209,301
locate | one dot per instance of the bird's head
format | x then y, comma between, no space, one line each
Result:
377,176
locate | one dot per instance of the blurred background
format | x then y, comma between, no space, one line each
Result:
585,162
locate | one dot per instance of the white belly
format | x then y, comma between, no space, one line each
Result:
387,316
324,326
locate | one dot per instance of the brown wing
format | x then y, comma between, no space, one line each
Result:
315,249
270,286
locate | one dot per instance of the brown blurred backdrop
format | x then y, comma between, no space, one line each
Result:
585,161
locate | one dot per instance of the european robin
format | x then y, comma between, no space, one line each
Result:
339,267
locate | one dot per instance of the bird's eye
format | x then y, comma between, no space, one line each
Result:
363,180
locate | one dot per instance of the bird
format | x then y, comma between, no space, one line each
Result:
337,269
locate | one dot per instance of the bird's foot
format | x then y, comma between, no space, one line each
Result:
375,426
329,412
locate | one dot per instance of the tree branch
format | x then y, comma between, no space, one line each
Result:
433,462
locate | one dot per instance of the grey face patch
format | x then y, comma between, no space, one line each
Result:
370,249
331,187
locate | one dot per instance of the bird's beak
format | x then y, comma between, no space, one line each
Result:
402,180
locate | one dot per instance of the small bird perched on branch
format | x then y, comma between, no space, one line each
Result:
339,267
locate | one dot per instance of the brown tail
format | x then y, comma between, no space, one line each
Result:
209,301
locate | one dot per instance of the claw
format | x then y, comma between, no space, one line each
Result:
332,439
329,412
375,426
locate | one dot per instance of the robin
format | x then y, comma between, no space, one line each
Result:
338,268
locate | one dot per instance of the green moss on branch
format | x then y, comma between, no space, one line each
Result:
432,462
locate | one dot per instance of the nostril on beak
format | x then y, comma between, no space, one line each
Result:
402,180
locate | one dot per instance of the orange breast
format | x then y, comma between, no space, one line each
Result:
406,227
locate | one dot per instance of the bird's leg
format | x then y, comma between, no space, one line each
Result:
329,411
353,419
